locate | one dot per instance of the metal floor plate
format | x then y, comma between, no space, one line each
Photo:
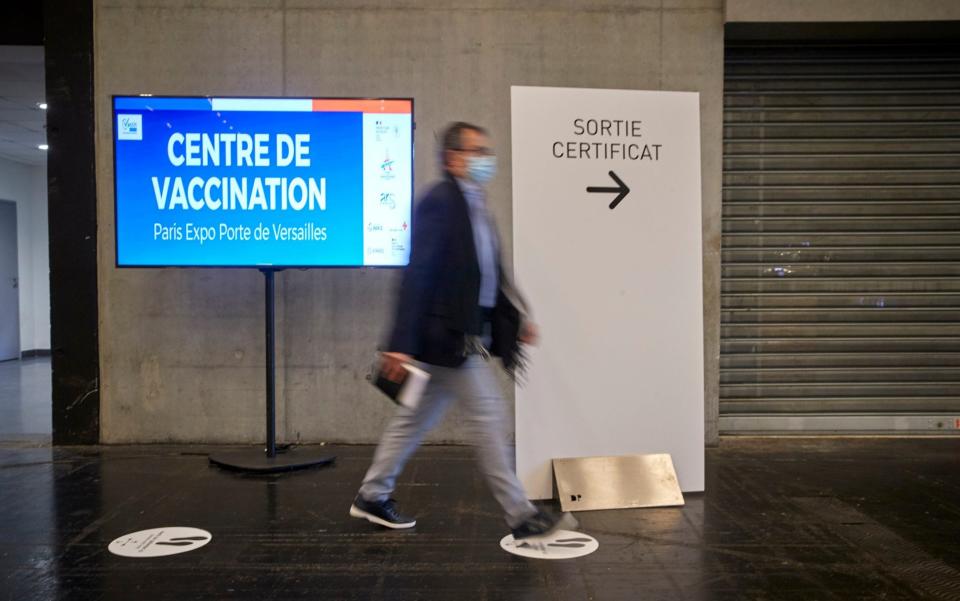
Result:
620,482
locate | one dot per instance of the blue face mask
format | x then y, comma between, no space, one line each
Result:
481,169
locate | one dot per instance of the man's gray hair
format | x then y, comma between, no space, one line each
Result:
452,138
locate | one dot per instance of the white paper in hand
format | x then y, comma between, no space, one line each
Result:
413,386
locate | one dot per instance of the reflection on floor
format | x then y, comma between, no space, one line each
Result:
25,394
782,519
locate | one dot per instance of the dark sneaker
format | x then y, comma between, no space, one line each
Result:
542,525
383,513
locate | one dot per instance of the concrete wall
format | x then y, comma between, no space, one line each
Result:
818,11
27,186
181,356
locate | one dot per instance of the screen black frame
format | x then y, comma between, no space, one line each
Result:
274,267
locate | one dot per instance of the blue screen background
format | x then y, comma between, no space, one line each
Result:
336,154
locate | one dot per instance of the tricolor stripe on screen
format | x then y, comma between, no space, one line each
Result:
350,105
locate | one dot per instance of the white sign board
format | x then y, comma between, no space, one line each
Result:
607,248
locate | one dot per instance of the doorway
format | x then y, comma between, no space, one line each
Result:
25,362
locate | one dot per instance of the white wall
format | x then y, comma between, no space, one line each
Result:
39,270
27,186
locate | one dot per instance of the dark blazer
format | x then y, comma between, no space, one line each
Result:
438,299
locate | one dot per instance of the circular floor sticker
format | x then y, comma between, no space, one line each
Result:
563,544
158,542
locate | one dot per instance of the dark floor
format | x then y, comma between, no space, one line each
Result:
783,519
25,405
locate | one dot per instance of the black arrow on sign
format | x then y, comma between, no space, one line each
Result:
622,189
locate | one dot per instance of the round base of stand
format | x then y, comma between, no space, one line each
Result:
255,461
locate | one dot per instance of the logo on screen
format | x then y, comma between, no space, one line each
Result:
129,127
386,168
388,200
381,130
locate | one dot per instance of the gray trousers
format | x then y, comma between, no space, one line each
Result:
475,386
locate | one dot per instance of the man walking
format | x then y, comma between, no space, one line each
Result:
453,293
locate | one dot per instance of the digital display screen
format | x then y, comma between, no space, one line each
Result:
256,182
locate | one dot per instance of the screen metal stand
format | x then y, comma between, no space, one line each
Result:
268,461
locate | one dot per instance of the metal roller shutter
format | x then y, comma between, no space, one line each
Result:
841,238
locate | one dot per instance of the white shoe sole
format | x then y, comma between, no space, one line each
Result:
356,512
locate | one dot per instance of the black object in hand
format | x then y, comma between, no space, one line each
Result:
389,387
